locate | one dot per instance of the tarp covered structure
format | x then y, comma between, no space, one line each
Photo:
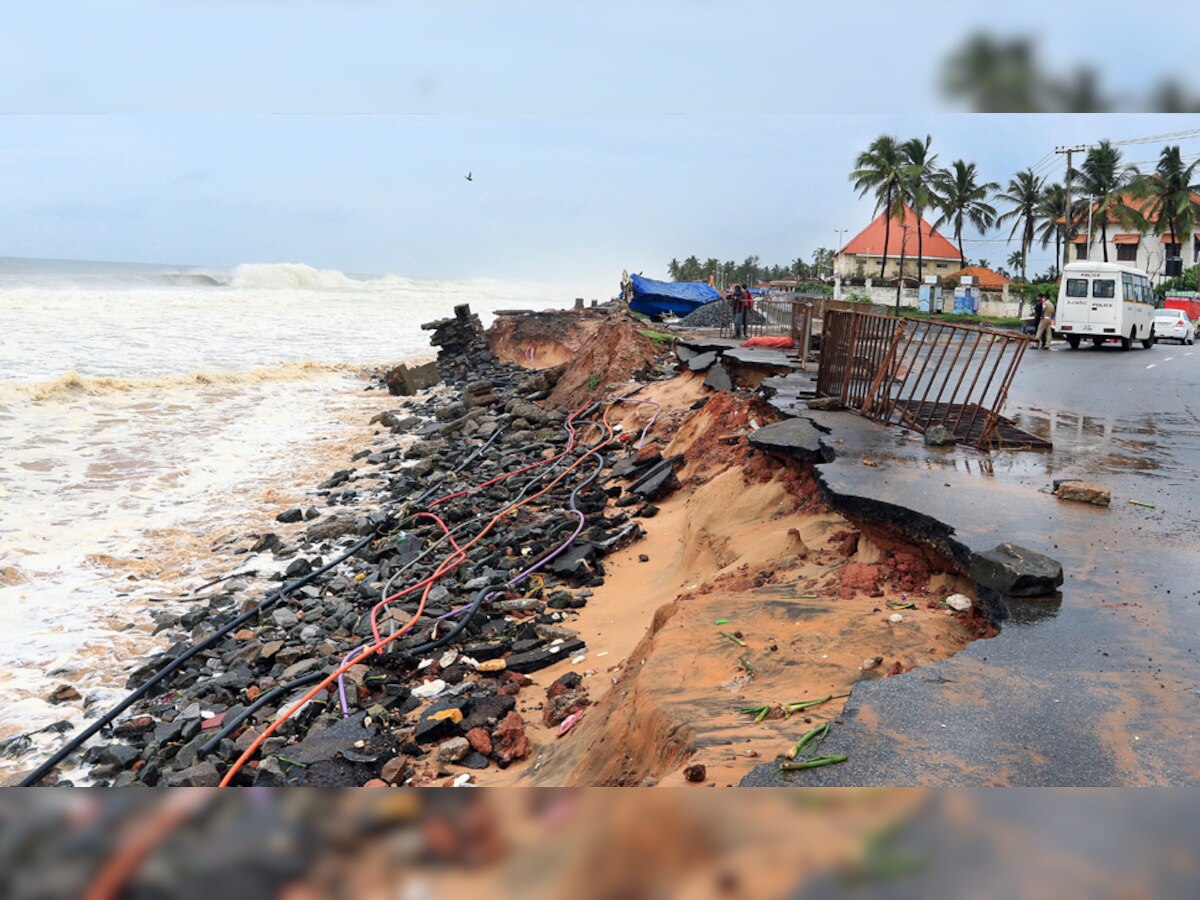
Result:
656,298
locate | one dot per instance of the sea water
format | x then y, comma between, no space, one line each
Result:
149,413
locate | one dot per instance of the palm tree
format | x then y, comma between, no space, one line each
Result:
1052,212
880,170
1171,206
674,269
1106,181
1024,192
962,199
920,172
1016,259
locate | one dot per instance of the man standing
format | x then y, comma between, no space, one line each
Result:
740,301
1038,312
1045,329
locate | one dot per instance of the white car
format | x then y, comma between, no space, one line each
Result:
1173,325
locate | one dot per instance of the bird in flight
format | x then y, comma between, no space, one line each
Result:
469,177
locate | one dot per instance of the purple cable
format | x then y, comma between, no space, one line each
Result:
342,681
640,402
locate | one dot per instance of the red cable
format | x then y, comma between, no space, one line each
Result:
442,569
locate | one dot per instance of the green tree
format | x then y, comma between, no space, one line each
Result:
1024,193
1053,222
1016,259
1106,181
747,272
962,199
920,173
823,261
879,170
674,270
1171,206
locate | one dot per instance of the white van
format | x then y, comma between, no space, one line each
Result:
1105,302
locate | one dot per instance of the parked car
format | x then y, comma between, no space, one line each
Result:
1173,325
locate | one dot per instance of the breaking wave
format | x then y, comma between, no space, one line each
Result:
71,384
293,276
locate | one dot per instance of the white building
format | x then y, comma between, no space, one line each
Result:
1147,251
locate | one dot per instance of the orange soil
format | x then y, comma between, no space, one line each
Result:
588,353
742,541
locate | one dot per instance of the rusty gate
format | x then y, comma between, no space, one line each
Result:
919,373
788,316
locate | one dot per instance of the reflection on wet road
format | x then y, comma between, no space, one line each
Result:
1103,689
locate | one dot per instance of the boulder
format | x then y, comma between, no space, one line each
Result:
403,381
295,514
825,403
202,774
939,436
1017,571
1083,492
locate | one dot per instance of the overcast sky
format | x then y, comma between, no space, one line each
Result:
557,198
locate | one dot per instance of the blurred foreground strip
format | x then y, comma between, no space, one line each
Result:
304,845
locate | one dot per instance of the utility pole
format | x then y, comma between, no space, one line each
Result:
1067,218
838,252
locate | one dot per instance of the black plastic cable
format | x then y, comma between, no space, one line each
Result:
174,665
230,725
484,593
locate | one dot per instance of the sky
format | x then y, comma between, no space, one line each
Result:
564,199
602,136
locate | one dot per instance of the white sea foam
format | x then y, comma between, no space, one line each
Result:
145,413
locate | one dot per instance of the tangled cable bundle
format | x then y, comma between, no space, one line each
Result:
539,478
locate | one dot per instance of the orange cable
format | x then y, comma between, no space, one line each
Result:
442,569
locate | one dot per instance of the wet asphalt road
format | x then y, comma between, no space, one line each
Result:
1102,688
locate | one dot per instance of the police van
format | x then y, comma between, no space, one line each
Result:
1100,302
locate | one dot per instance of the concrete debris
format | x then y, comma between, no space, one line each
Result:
1017,571
1083,492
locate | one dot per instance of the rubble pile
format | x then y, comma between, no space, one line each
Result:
443,697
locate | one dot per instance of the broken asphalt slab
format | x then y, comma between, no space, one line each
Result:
1090,687
798,438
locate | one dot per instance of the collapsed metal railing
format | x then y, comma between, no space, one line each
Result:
919,373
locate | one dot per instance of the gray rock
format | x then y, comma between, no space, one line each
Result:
203,774
284,618
718,379
702,361
824,403
1017,571
453,750
295,514
940,436
797,438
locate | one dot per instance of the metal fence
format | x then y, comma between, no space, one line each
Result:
919,373
791,317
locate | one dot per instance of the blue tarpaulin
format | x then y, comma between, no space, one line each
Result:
654,298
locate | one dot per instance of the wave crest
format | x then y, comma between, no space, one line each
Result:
292,276
72,384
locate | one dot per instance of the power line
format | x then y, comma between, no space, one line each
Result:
1189,134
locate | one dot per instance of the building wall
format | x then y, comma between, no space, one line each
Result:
1151,254
846,266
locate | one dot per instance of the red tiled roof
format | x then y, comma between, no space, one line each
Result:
1129,201
869,241
984,277
1126,238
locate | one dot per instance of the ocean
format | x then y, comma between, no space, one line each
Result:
150,413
